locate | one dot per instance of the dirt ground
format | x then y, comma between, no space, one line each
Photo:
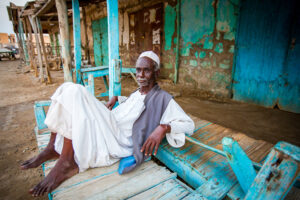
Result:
19,89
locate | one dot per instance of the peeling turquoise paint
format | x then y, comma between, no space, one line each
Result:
201,12
231,49
205,64
220,78
210,54
185,51
225,64
208,43
219,48
202,54
168,66
194,63
170,18
226,17
196,54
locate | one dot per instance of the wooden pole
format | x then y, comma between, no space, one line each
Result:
29,44
86,49
113,46
37,44
77,39
21,31
62,12
40,30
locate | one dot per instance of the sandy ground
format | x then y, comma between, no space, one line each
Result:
19,90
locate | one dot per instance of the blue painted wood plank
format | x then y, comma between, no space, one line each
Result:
239,162
89,69
276,177
77,38
113,45
40,117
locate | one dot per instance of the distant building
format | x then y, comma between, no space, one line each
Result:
6,40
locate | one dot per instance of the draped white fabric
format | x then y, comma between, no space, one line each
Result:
101,137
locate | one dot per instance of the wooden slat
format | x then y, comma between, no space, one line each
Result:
170,189
115,186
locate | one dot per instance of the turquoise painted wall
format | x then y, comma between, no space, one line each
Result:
207,42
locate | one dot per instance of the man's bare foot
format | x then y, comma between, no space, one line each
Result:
62,170
46,154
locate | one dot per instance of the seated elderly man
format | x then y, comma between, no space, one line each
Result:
85,133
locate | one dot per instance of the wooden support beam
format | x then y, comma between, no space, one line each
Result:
240,163
21,31
86,49
65,38
113,46
77,39
40,30
29,43
38,48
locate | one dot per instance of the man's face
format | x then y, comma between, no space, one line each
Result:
145,72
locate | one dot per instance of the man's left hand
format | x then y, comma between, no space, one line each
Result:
155,139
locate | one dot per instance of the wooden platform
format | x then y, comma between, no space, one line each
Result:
149,181
208,173
205,170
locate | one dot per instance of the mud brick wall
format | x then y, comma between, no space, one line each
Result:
207,39
207,43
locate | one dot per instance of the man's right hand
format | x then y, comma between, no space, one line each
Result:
110,104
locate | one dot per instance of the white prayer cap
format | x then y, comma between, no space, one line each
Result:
152,56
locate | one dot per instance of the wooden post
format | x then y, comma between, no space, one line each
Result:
40,30
77,39
86,49
23,41
62,12
34,26
113,46
57,48
29,44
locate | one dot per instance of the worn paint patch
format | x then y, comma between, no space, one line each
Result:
168,65
219,48
205,64
226,18
185,62
170,16
202,54
225,64
210,54
185,51
201,12
220,78
208,43
194,63
196,54
231,49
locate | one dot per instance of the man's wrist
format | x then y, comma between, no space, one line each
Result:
166,127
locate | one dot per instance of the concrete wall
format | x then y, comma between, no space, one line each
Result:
207,40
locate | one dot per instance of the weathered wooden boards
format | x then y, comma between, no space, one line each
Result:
149,181
205,170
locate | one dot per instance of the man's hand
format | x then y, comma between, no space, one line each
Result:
155,139
110,104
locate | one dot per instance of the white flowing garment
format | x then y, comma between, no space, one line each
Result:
101,137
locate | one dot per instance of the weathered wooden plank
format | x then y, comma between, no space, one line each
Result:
109,185
274,180
239,162
40,116
170,189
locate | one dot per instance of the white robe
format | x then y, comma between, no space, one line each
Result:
101,137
